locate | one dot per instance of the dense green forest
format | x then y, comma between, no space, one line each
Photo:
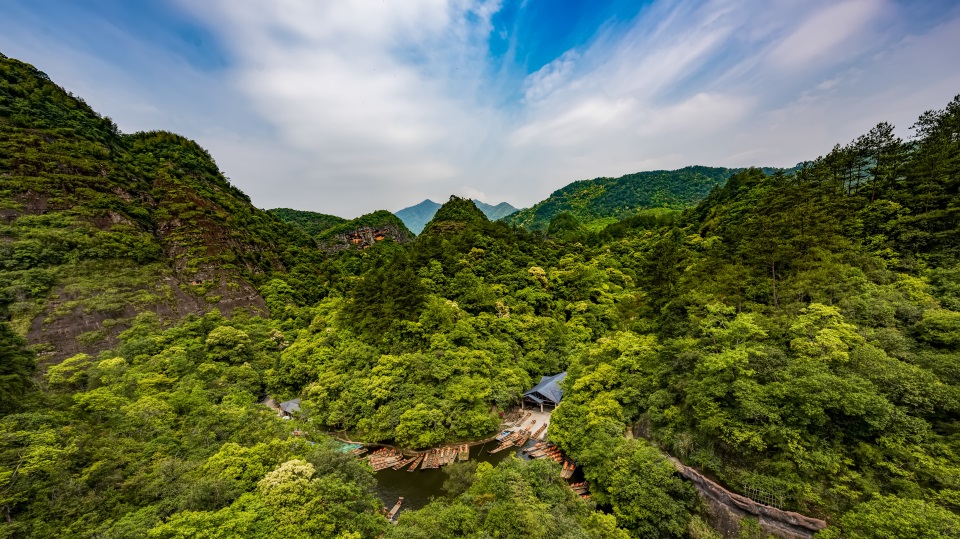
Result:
606,200
312,223
796,333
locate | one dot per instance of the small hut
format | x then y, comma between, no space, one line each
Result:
546,393
289,407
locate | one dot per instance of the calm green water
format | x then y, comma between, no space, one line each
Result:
417,488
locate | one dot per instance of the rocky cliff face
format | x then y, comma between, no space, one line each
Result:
364,237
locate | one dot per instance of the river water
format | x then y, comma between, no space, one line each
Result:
417,488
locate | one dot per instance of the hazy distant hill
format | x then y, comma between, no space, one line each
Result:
416,217
621,197
497,212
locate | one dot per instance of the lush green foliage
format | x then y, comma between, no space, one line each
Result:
164,438
312,222
377,219
797,334
515,501
17,365
102,225
589,200
458,210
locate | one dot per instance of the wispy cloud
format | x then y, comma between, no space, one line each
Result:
347,107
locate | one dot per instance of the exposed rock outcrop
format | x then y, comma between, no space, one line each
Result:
364,237
726,509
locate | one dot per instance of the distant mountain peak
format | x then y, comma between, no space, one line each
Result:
416,217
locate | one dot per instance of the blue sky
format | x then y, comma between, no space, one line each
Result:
348,107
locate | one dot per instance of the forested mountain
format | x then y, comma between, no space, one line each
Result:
312,223
97,226
616,198
795,336
416,217
364,231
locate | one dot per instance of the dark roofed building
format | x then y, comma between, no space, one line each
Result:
546,393
291,406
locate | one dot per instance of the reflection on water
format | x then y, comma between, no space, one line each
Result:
418,487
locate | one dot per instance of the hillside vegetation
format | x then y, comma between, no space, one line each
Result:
795,335
97,226
312,223
617,198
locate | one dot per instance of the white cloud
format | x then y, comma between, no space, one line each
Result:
349,107
549,77
828,35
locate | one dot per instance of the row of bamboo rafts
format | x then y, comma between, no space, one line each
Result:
436,458
545,450
382,459
400,465
517,437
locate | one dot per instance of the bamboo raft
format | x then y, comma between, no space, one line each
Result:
544,452
405,462
429,459
382,459
396,509
568,468
540,431
508,442
358,451
523,438
464,453
535,447
416,463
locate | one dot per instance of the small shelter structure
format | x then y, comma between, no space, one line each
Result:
546,393
289,407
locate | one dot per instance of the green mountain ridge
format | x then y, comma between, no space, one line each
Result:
616,198
98,226
312,223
